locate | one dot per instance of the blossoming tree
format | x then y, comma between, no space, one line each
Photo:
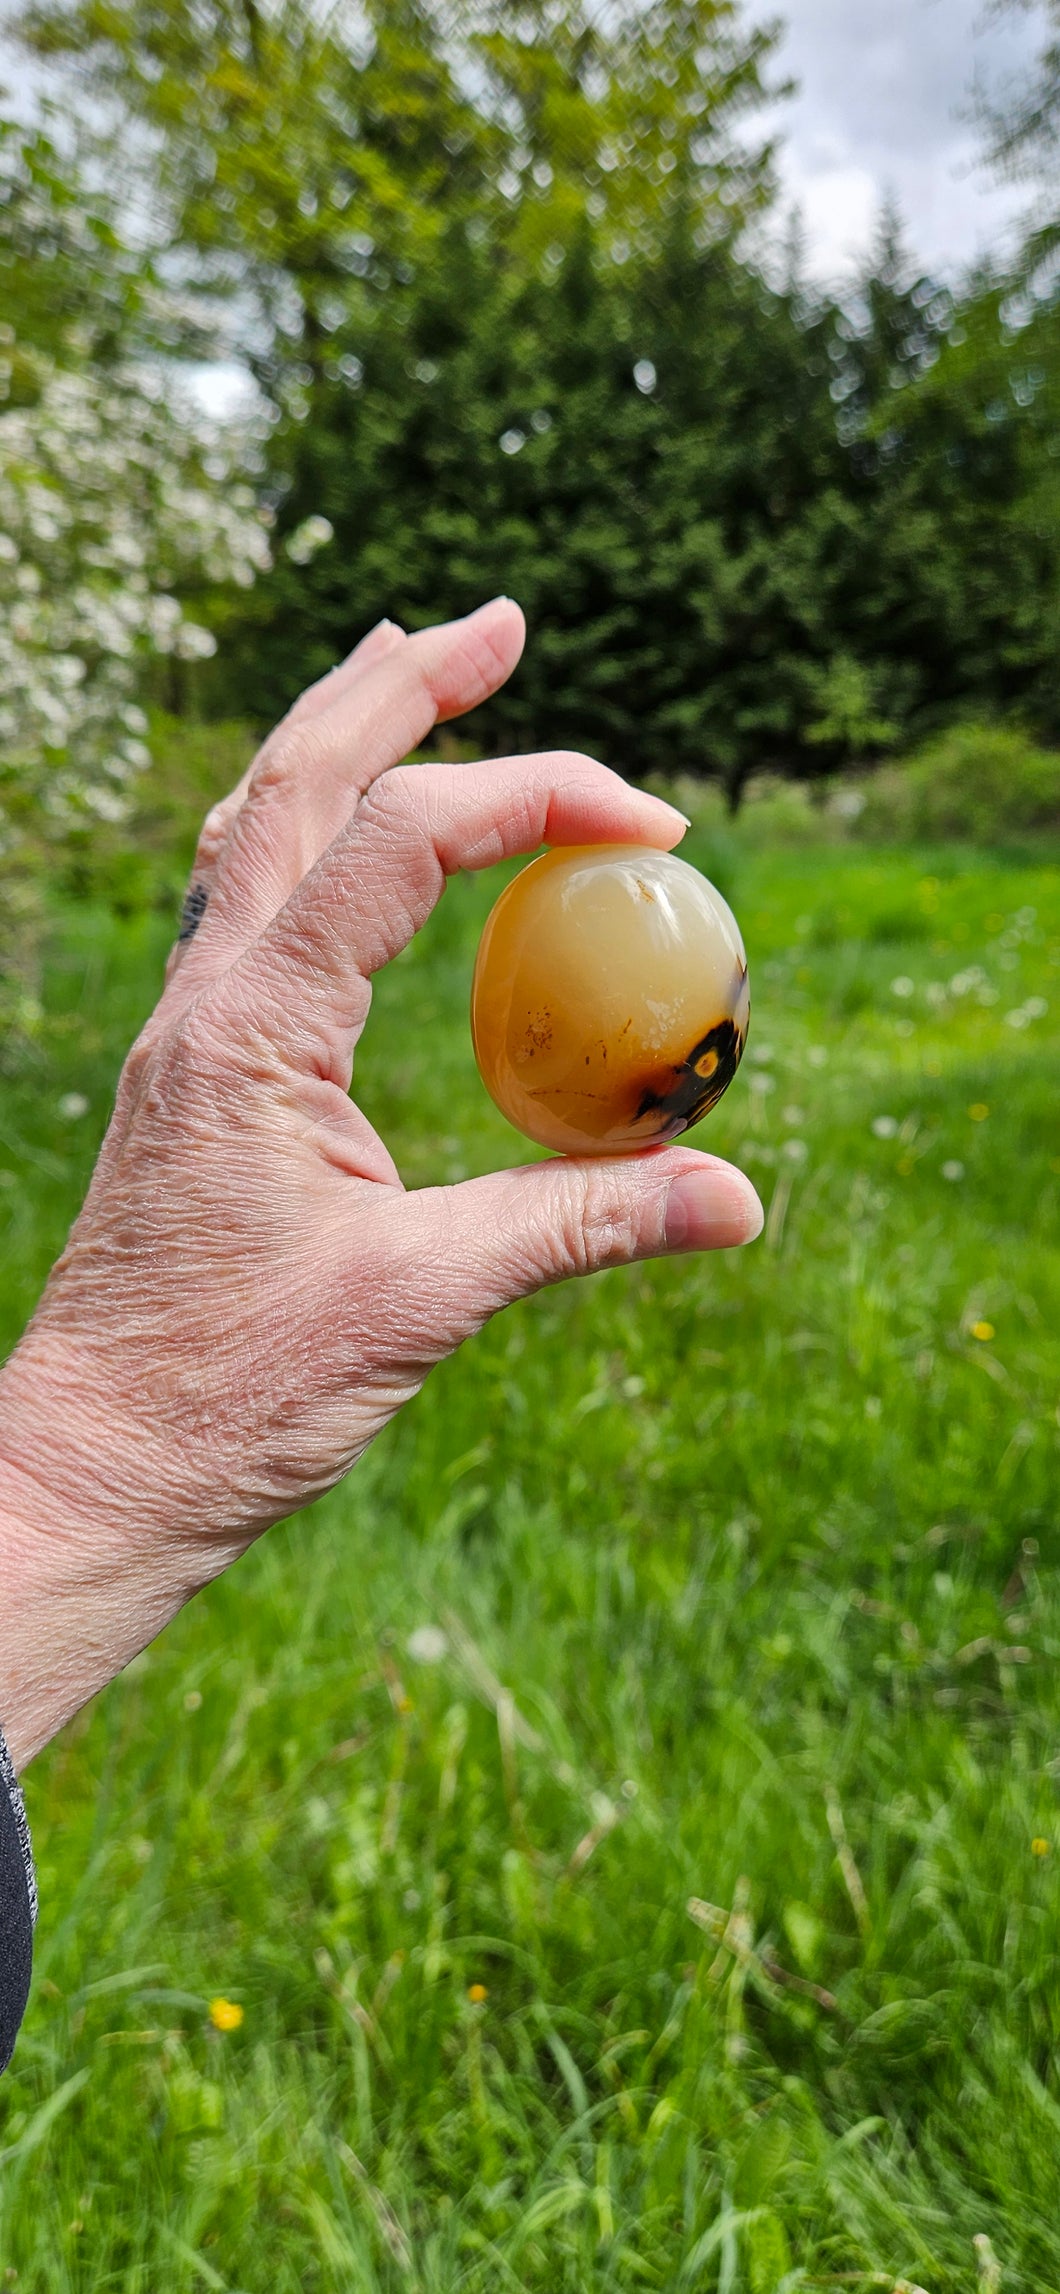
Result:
118,504
112,504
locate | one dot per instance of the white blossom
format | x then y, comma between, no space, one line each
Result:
308,538
106,516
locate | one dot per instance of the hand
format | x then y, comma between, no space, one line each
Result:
249,1293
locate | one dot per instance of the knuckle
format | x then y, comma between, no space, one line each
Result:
578,771
136,1065
443,662
297,749
483,660
396,790
577,765
396,801
213,835
607,1223
140,1061
184,1087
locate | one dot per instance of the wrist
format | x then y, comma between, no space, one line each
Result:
84,1582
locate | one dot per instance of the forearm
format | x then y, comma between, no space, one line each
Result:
80,1593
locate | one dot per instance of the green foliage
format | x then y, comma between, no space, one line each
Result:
308,160
987,784
718,578
485,263
1026,128
617,468
70,288
743,1583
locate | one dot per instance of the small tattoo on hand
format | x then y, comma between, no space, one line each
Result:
193,911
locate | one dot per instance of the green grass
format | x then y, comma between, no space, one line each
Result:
748,1572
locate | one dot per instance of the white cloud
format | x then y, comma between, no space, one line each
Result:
885,90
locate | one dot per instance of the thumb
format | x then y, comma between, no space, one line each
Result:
513,1232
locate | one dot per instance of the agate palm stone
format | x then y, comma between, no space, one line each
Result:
610,1001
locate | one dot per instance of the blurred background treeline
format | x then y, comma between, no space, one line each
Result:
502,282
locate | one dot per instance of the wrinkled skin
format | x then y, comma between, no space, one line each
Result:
249,1292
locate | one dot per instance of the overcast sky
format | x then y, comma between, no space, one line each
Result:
882,87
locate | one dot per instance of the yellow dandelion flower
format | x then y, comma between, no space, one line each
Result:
225,2015
1039,1847
984,1332
979,1111
476,1993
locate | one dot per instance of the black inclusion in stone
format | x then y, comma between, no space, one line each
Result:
698,1081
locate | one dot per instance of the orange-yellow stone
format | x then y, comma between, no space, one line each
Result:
610,1001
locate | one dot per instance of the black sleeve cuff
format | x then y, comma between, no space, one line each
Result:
18,1906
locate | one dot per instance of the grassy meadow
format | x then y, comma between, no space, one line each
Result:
625,1814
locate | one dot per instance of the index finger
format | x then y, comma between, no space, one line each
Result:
380,878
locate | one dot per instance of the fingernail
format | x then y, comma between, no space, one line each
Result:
711,1211
665,806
